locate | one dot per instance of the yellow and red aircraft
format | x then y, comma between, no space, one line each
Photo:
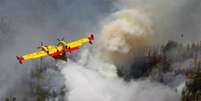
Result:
57,52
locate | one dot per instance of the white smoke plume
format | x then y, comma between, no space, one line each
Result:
95,78
85,84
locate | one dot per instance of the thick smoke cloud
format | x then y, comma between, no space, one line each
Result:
167,18
27,22
172,18
125,36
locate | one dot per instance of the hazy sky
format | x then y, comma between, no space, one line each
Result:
25,23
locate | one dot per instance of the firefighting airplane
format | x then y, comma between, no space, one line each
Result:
57,52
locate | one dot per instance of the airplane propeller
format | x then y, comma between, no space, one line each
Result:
41,44
60,39
43,47
63,43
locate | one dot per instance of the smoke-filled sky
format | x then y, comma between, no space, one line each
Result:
172,17
25,23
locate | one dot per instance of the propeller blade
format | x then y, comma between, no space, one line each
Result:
41,43
60,39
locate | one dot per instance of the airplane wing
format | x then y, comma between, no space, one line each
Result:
81,41
57,51
39,54
31,56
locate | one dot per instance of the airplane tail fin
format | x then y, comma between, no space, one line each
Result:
91,38
20,59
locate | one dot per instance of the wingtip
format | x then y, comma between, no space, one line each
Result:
19,59
92,36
